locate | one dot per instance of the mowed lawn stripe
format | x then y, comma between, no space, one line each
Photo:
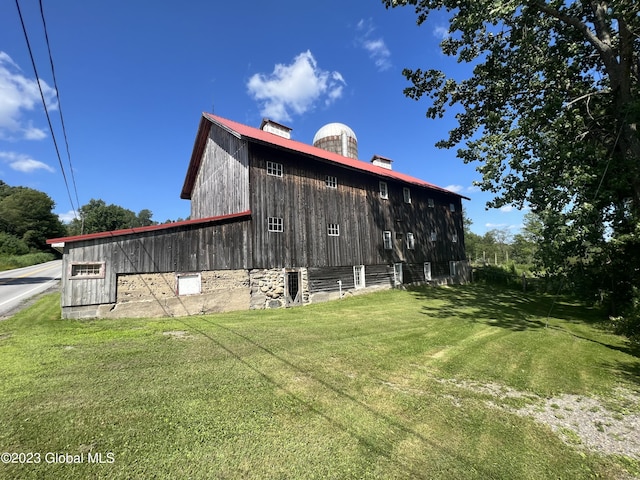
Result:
366,387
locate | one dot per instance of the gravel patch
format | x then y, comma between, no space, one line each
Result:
610,426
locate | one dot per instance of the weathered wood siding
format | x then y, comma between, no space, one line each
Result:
222,184
192,248
301,198
325,279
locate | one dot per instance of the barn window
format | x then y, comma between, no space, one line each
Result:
411,241
427,271
452,207
188,284
431,202
406,193
434,236
453,268
397,274
386,240
358,276
384,191
331,182
82,270
454,238
333,229
274,169
275,224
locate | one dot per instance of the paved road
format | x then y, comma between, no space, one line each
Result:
18,285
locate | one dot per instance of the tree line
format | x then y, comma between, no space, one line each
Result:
27,220
499,246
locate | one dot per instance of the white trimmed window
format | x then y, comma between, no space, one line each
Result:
434,236
411,241
453,268
427,271
397,274
406,194
452,207
386,240
331,182
274,169
275,224
454,238
86,270
358,276
384,191
333,229
431,203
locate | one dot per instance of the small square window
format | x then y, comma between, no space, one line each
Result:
406,193
431,203
384,192
452,207
331,181
434,236
411,241
333,230
358,276
386,239
275,224
274,169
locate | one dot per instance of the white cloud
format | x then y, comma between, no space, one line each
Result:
295,88
454,188
473,189
507,208
375,46
23,163
67,217
503,226
441,32
20,94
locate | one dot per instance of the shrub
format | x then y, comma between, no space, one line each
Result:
12,245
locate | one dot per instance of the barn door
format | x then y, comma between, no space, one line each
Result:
293,294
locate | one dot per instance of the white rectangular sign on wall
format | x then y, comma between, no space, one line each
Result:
188,284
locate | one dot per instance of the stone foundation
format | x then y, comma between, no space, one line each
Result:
267,287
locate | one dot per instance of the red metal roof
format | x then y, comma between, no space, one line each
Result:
151,228
260,136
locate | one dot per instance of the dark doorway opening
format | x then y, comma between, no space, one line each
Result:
293,295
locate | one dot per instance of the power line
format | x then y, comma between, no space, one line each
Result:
46,110
55,84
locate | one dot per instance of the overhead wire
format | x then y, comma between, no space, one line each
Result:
55,85
46,109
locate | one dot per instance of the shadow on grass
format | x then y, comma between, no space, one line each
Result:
513,310
372,445
629,371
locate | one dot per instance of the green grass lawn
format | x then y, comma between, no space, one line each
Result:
366,387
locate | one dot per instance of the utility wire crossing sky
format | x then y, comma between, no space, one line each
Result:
135,77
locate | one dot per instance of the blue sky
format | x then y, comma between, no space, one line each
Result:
134,78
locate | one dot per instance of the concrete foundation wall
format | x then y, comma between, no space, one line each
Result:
154,295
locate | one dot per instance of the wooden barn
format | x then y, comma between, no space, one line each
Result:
274,222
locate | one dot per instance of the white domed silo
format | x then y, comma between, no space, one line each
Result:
337,138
